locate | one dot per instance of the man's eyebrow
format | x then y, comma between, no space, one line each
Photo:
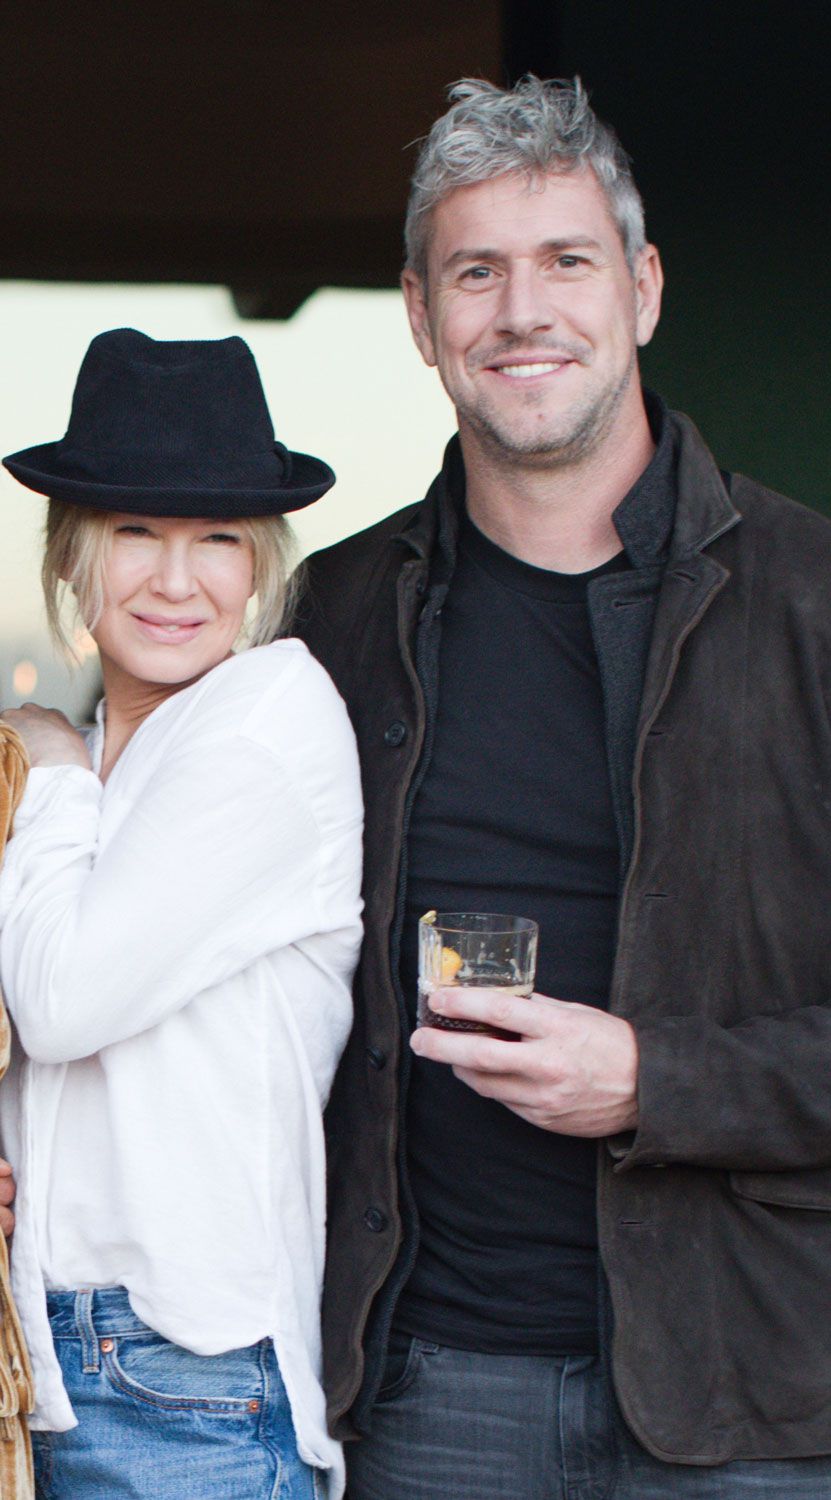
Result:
460,256
573,242
558,246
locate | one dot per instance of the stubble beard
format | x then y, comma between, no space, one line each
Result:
565,440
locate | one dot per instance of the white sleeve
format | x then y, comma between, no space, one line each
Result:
215,865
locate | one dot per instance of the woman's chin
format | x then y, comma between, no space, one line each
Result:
164,666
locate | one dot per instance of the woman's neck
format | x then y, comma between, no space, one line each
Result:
129,702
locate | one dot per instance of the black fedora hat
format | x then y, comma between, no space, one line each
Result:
171,429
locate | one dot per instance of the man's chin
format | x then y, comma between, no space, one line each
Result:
566,439
539,450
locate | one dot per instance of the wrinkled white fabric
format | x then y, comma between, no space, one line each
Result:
176,949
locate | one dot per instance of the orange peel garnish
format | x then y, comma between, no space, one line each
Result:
451,962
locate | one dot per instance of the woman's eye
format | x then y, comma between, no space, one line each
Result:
229,537
131,531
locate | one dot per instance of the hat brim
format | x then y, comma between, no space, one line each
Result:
37,469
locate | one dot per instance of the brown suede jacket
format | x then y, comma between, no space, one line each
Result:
715,1218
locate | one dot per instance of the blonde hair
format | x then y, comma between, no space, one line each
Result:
75,555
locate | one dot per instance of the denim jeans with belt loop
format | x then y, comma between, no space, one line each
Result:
156,1420
451,1424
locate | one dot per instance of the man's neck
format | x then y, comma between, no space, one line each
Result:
557,516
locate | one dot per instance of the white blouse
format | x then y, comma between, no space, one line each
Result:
176,950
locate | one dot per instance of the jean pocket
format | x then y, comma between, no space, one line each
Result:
405,1356
160,1374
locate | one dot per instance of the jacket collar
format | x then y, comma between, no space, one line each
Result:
432,531
643,519
678,505
704,510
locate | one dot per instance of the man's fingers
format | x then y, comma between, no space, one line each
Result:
510,1089
531,1016
469,1049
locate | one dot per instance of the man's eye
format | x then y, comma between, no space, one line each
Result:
568,262
476,273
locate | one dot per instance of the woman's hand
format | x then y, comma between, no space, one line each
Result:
7,1192
49,737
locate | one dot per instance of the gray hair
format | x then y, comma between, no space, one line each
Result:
539,126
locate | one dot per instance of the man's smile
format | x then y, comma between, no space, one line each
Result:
527,370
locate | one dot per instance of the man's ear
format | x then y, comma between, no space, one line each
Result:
649,284
415,296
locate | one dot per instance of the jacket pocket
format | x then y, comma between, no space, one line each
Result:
805,1187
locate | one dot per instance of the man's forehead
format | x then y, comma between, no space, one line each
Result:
548,206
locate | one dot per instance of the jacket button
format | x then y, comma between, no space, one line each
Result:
376,1058
375,1220
395,733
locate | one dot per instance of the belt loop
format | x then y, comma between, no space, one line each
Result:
86,1330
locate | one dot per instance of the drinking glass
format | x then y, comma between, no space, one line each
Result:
474,949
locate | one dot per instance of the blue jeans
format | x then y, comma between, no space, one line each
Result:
155,1420
448,1423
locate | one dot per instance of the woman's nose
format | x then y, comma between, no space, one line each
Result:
175,576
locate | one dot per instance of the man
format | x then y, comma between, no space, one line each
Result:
590,679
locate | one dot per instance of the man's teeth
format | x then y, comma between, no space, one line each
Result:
523,372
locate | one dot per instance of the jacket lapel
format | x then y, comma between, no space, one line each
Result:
687,591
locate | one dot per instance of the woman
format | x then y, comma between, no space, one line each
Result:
179,924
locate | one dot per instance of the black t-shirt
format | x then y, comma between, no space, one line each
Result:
514,815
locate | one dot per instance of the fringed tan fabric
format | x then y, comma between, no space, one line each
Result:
16,1389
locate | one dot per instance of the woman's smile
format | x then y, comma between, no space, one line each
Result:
168,631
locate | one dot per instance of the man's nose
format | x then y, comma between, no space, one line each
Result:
526,305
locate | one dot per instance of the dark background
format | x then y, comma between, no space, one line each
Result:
267,148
